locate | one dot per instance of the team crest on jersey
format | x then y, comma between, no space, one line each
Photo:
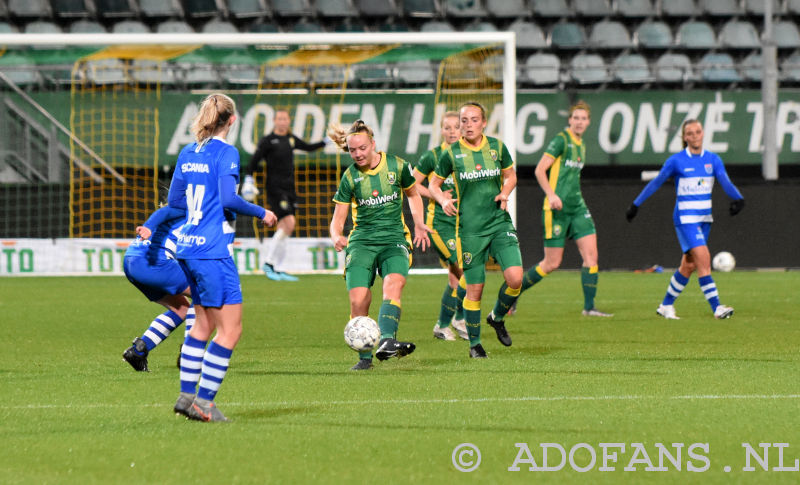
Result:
451,244
557,229
375,193
478,167
284,204
291,141
347,260
709,168
493,154
467,258
390,177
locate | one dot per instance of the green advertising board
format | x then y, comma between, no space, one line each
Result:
627,128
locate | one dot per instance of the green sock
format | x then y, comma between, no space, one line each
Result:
389,318
505,298
589,281
472,314
365,354
532,276
461,292
448,307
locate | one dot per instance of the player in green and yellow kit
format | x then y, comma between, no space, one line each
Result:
372,188
565,215
444,234
483,176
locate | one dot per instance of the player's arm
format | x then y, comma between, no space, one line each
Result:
176,197
421,239
165,215
663,175
337,225
737,204
231,201
444,167
308,147
421,189
542,167
509,183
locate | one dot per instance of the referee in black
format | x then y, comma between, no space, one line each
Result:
277,149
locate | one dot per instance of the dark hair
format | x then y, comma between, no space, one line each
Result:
475,104
683,129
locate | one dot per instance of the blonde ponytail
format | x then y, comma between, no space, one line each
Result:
339,133
215,112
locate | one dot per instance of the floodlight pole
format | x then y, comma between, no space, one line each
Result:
769,98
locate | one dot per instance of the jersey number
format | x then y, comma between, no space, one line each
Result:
194,202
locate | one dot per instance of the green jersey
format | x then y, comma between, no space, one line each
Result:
427,164
376,200
565,173
477,179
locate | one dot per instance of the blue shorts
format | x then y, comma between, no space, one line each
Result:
155,281
693,235
214,282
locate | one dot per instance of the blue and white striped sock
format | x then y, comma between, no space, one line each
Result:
191,363
160,328
710,291
676,285
190,316
215,365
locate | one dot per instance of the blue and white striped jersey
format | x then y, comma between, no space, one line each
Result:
694,176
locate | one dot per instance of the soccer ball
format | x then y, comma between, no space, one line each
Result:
723,261
362,333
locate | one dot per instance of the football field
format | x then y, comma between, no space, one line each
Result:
689,401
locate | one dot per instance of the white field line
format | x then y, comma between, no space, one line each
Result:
369,402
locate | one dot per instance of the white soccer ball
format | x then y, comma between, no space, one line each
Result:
362,333
723,261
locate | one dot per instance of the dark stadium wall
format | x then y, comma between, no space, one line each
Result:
765,234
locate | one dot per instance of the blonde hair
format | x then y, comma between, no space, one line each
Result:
475,104
580,105
683,130
215,112
450,114
339,133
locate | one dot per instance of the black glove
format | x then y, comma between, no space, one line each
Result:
631,212
736,206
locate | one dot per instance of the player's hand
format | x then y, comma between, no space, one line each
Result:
736,206
249,189
449,207
631,212
143,232
340,243
269,219
421,239
555,202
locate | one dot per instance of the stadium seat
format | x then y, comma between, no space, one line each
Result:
129,27
718,67
756,7
680,8
155,9
6,28
42,27
786,34
392,26
241,68
420,8
695,34
463,8
146,71
542,69
739,34
377,8
18,67
653,35
197,70
106,71
635,8
263,28
291,8
790,68
336,8
417,72
246,9
752,67
609,34
217,26
286,75
529,35
480,27
588,69
108,9
592,8
195,9
350,25
550,8
631,68
329,75
29,8
85,26
673,68
306,27
174,27
70,8
567,35
373,75
721,8
793,7
507,9
437,26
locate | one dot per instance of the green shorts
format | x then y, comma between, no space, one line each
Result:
443,239
363,263
558,226
503,246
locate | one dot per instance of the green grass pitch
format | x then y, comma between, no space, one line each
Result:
74,412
